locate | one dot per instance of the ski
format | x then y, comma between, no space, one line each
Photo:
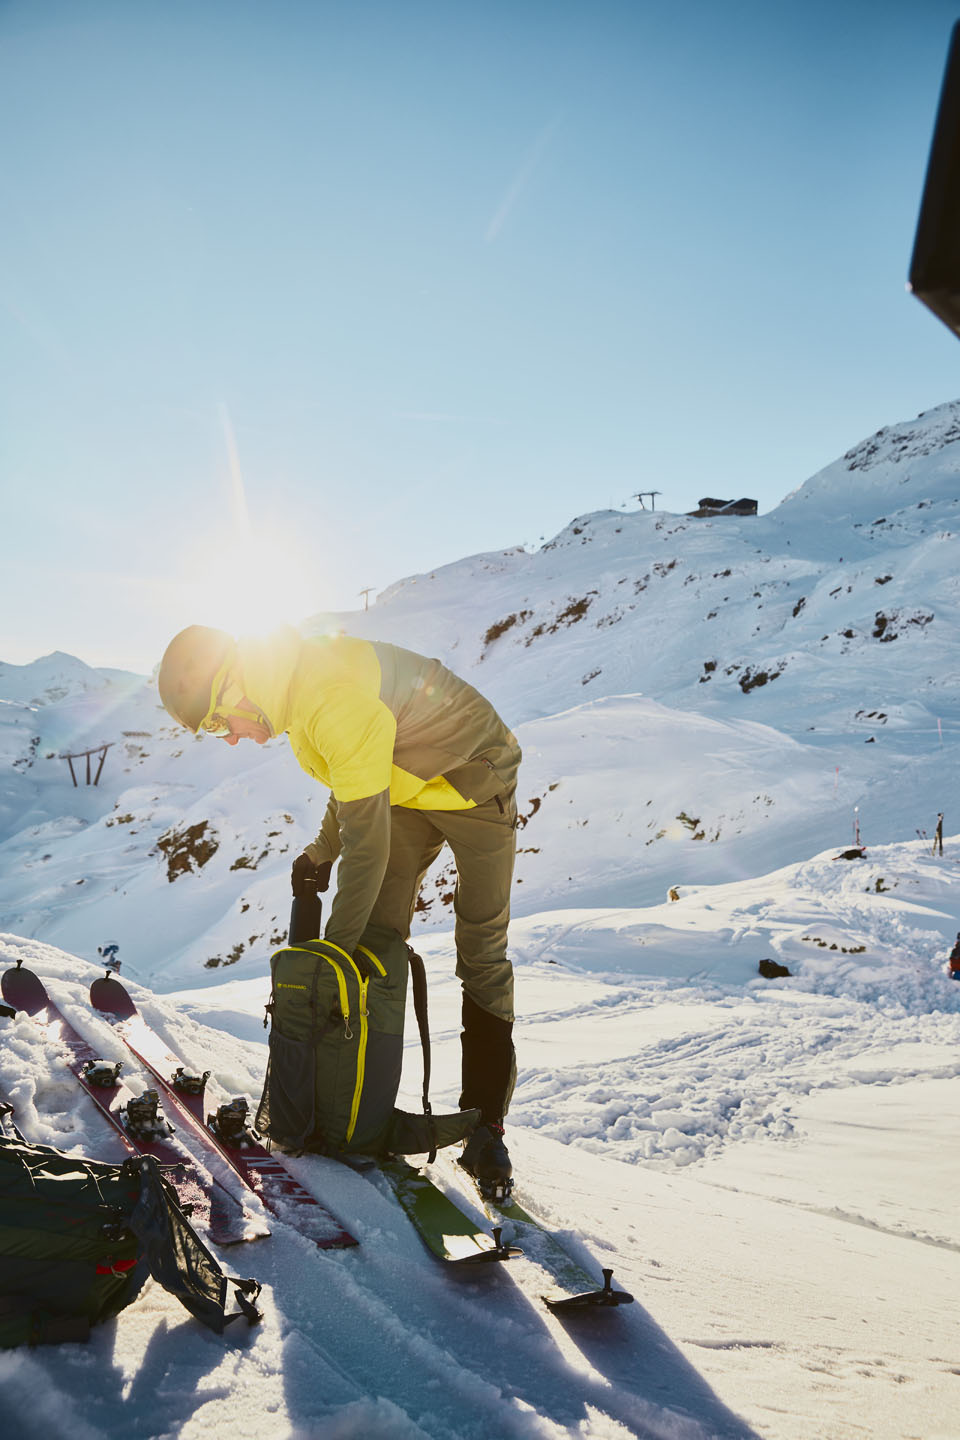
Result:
6,1118
573,1287
137,1119
448,1233
226,1129
6,1108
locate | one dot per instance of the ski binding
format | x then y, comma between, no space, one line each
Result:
143,1117
104,1073
230,1122
189,1082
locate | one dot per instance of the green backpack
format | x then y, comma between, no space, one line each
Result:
79,1237
336,1051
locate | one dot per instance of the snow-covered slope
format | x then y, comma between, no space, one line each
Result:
723,692
59,677
770,1168
701,613
708,709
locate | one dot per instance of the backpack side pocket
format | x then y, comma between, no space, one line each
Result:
286,1111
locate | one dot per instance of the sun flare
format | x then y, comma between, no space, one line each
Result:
251,585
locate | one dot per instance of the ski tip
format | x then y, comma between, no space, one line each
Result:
488,1254
23,990
111,998
605,1299
592,1300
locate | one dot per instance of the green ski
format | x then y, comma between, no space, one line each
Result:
444,1228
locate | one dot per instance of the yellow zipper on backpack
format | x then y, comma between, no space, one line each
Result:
341,981
362,983
370,956
364,1031
361,1058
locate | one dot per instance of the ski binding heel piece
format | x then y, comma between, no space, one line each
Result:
498,1192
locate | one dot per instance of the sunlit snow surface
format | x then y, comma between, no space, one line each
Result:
770,1166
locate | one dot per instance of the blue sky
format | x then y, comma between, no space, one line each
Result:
300,298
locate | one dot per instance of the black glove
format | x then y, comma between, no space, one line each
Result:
305,872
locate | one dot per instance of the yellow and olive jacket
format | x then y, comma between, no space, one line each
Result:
379,726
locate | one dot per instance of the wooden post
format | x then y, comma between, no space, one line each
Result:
103,756
100,750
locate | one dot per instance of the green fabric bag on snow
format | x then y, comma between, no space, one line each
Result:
78,1238
336,1051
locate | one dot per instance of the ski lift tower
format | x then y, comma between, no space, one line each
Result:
650,495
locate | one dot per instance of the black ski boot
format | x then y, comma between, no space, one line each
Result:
485,1158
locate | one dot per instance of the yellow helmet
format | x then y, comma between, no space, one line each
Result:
191,665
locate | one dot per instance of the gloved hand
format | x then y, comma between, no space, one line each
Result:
305,871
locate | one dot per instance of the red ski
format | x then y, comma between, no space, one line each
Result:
226,1128
137,1119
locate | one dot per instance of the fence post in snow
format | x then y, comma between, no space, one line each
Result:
100,750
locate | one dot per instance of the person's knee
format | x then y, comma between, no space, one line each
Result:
397,915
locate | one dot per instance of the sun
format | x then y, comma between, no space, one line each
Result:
247,579
250,584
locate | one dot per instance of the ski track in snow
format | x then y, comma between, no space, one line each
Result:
683,1099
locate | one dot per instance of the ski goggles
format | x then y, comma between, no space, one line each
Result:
225,697
217,724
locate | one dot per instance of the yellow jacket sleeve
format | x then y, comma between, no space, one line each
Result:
355,734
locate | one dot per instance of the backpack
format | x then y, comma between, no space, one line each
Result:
78,1238
336,1051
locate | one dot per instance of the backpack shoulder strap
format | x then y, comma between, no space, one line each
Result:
418,977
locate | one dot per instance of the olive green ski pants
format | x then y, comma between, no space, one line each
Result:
483,842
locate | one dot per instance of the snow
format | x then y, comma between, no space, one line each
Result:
770,1166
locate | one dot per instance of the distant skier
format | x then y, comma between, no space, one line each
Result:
954,961
413,757
938,836
109,953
